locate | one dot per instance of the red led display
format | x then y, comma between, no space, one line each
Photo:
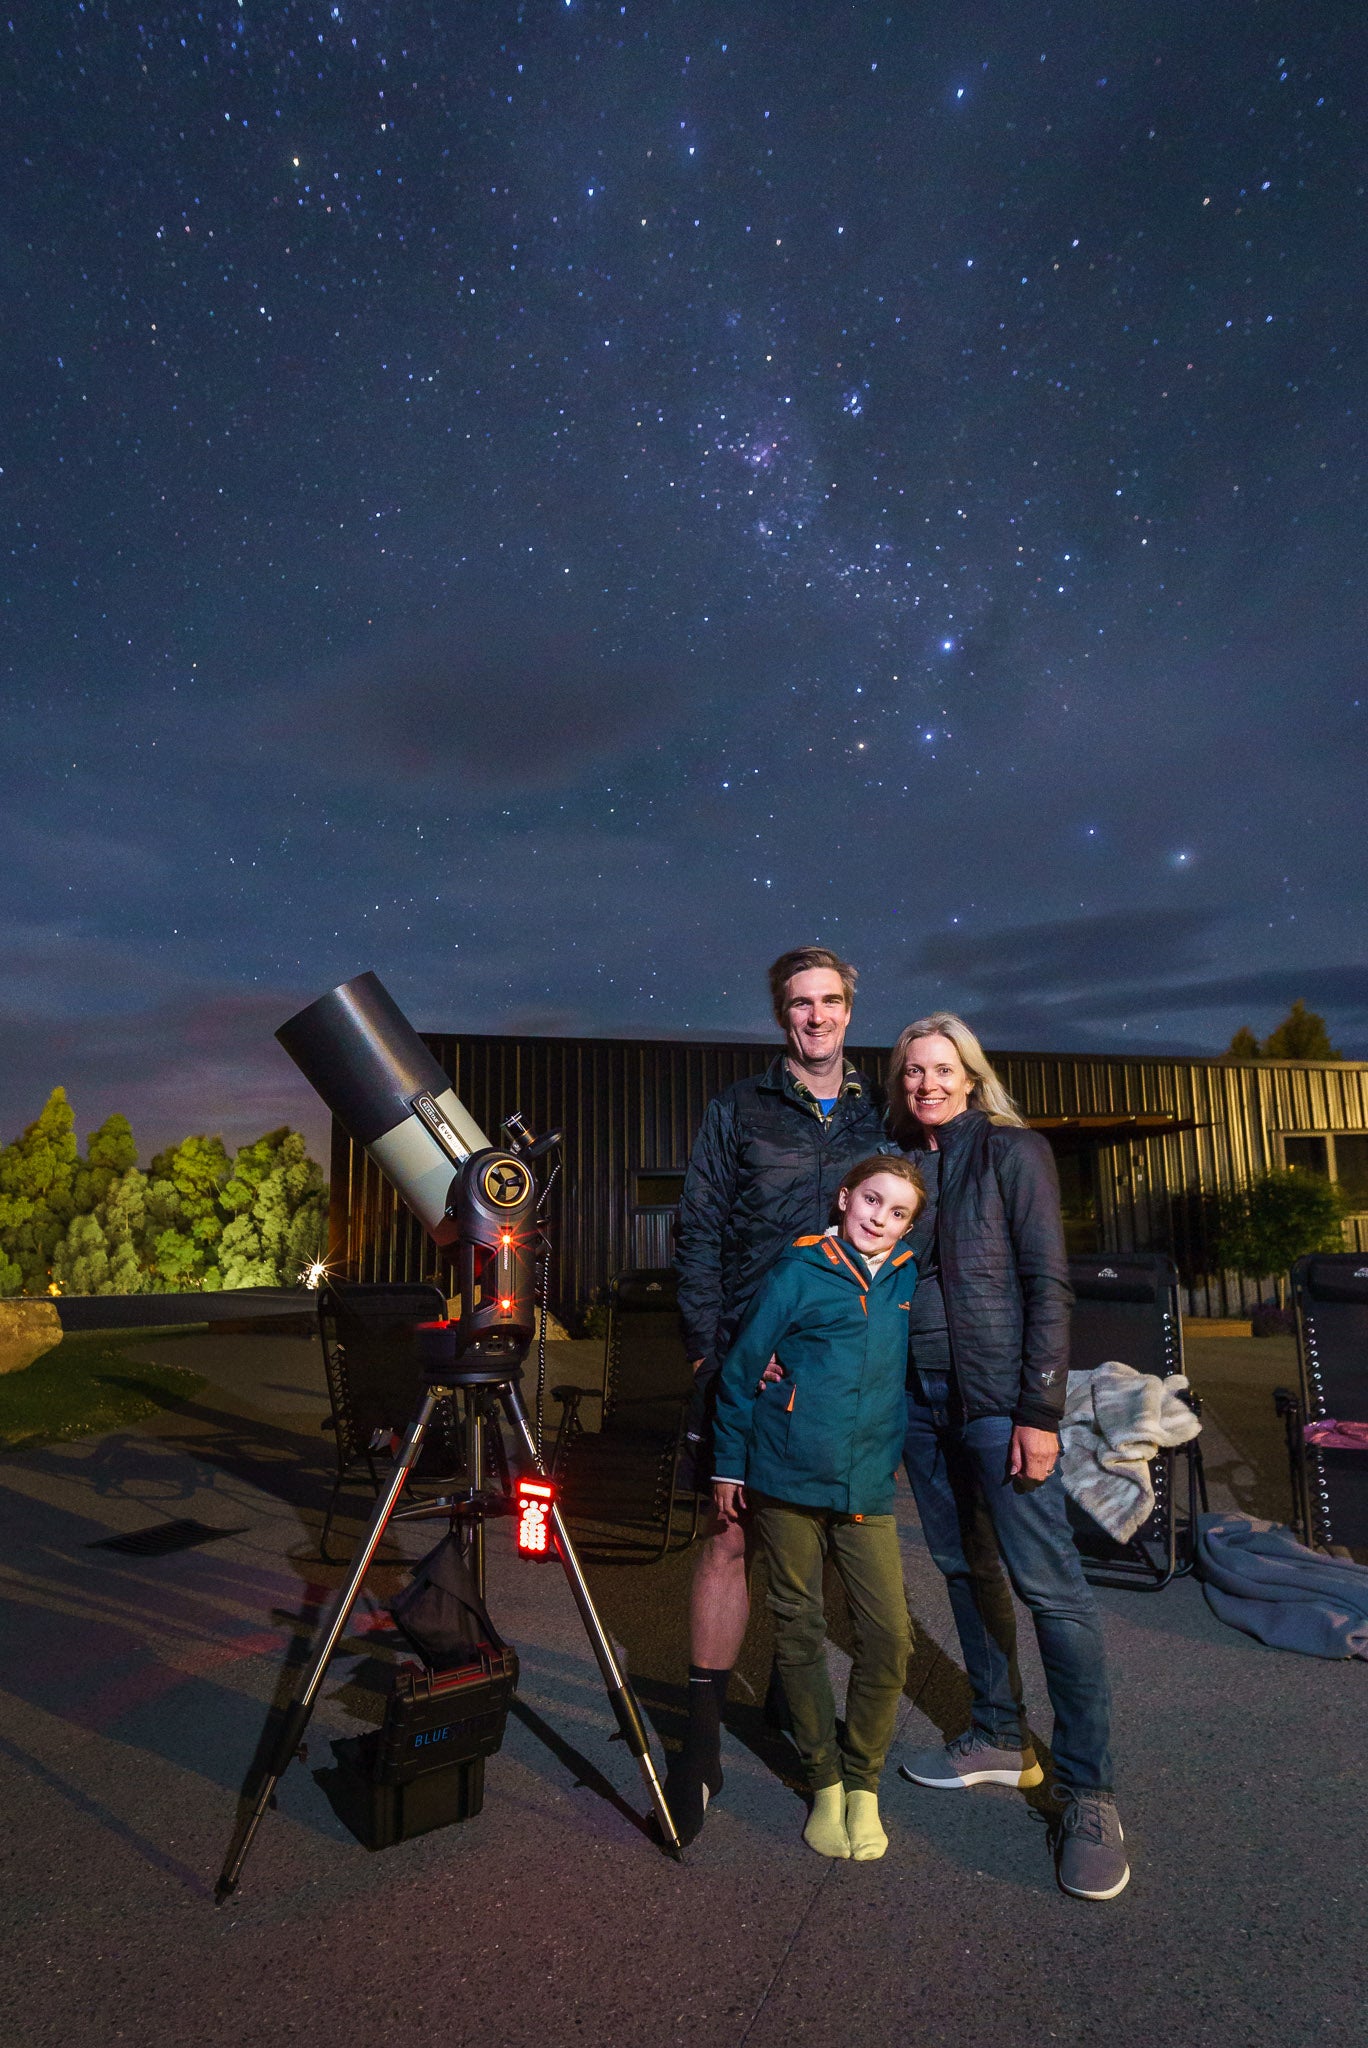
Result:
535,1501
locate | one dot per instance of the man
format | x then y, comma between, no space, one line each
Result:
764,1169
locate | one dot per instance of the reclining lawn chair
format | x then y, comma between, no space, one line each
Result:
1329,1479
627,1474
1126,1309
373,1381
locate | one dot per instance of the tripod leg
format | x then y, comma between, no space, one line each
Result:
472,1533
330,1633
621,1698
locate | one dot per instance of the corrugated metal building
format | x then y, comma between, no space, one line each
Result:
1145,1148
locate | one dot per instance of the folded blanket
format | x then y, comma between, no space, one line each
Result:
1337,1436
1115,1420
1258,1578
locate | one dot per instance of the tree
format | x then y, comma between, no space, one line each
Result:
11,1272
1279,1218
280,1213
185,1217
37,1194
100,1253
110,1152
1301,1036
196,1219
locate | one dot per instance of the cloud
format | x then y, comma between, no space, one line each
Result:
1342,990
1068,984
1051,960
492,701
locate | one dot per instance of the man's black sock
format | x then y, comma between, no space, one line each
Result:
703,1741
695,1773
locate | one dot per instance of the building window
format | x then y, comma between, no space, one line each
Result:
1341,1156
656,1196
658,1190
1307,1155
1351,1166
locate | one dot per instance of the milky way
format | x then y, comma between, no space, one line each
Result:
556,503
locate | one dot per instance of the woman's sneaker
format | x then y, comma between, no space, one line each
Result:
1090,1849
971,1759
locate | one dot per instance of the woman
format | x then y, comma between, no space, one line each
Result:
988,1368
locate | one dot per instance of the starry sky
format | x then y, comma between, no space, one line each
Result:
557,502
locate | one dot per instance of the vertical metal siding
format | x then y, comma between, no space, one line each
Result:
627,1106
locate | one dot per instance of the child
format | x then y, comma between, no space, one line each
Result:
816,1452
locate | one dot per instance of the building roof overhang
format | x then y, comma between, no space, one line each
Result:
1073,1133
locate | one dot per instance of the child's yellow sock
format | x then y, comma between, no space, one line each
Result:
864,1830
826,1829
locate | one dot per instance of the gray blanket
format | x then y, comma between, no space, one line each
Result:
1115,1421
1257,1577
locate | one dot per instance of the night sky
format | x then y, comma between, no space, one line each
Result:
556,503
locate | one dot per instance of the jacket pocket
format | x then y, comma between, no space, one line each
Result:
771,1426
786,1392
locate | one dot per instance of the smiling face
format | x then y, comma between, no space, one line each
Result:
937,1082
816,1014
878,1212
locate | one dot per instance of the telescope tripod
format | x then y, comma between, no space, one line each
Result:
485,1393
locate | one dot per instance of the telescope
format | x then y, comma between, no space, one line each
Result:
360,1053
362,1056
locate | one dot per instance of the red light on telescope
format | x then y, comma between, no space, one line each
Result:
506,1305
535,1502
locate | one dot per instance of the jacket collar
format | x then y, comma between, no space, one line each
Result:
832,1254
951,1138
779,1076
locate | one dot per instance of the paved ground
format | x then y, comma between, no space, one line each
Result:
132,1692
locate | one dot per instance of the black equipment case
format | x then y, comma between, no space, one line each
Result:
424,1766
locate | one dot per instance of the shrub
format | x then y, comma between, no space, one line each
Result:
1278,1219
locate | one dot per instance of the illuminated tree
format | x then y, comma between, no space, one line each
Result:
100,1253
1280,1218
196,1219
185,1216
110,1152
37,1195
280,1220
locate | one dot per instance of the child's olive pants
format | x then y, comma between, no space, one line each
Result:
864,1549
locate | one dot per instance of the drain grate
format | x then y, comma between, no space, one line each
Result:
162,1538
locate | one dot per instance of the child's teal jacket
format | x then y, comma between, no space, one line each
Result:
830,1433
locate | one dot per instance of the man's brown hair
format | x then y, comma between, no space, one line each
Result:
798,962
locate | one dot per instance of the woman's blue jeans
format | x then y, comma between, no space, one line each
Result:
976,1520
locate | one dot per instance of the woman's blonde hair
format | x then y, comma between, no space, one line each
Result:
987,1092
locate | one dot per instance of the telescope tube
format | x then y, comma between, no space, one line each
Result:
357,1049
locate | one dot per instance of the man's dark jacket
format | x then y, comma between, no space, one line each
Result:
1004,1271
764,1169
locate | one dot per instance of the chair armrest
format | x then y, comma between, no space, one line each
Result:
1287,1403
570,1397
